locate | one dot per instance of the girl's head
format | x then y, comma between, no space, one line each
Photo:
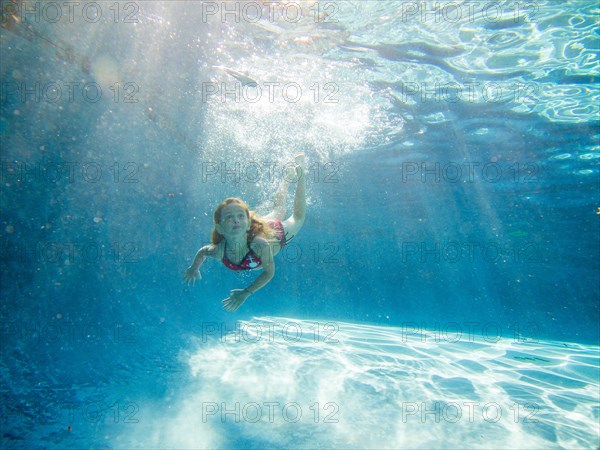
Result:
233,216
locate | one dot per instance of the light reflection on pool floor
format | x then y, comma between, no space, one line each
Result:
282,382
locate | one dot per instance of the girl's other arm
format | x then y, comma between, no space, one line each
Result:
238,296
264,250
193,272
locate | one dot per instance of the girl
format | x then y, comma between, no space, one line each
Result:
243,240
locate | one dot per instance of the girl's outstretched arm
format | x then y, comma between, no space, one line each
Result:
238,296
193,272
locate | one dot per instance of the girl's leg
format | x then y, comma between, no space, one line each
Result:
280,198
293,224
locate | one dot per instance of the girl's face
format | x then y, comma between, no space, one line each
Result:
234,221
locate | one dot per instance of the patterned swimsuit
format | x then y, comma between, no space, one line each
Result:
251,261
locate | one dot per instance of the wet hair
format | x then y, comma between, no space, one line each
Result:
258,225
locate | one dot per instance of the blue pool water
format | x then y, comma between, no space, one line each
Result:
443,292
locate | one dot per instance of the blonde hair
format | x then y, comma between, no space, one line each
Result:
258,225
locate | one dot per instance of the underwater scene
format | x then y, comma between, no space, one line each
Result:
346,224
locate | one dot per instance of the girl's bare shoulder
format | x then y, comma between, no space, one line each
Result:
214,250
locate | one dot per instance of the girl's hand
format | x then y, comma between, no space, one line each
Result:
191,275
237,297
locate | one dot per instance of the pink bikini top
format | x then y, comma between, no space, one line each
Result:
251,261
